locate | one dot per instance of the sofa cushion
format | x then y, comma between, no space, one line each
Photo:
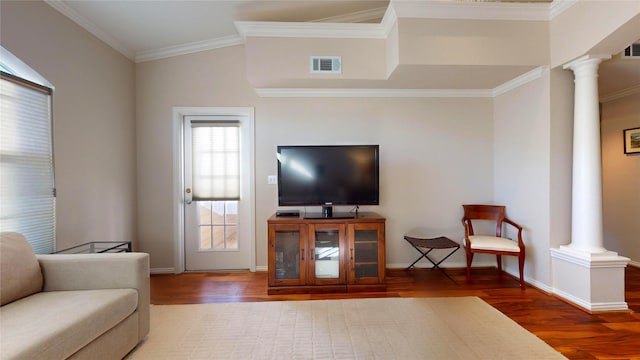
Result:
56,324
20,273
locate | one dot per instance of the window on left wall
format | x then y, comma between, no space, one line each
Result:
27,190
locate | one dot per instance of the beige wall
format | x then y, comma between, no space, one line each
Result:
212,78
473,42
561,161
419,138
522,169
593,27
392,50
419,141
94,127
621,178
285,62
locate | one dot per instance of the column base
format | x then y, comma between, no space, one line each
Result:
593,281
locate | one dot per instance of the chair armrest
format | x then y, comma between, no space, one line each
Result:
467,231
512,223
100,271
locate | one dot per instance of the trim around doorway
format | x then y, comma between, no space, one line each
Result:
178,177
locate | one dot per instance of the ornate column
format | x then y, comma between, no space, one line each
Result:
584,272
586,215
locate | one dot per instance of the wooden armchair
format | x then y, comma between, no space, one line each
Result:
490,244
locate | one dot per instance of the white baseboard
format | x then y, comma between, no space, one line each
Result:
162,270
158,271
532,282
596,307
424,264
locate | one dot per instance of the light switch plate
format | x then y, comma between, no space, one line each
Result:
272,180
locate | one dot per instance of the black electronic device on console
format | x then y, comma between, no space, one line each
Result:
288,213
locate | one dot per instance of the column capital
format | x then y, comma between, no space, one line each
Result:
584,60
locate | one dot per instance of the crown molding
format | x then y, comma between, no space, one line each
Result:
356,17
520,80
439,9
389,20
343,26
560,6
427,93
411,93
425,9
620,94
88,25
372,93
309,30
188,48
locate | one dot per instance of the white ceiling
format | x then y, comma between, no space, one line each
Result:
140,27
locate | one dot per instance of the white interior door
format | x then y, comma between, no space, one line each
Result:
218,206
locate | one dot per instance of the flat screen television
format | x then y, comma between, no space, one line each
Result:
327,175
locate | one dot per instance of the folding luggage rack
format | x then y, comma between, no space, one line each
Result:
425,245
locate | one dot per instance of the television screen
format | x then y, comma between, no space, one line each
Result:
328,175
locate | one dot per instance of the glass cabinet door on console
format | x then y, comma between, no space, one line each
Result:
321,255
326,254
366,253
287,254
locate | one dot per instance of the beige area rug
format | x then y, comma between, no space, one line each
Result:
388,328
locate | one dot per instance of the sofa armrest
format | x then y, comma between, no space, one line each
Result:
100,271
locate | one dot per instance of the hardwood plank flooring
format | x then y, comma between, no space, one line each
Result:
574,332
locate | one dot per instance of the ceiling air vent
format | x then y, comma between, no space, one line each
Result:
326,64
632,51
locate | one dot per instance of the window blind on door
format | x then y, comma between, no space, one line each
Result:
216,160
27,195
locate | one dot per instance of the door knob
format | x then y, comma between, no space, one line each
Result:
187,198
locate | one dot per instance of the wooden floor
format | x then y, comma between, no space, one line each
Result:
572,331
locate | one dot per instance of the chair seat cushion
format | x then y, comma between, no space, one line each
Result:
483,242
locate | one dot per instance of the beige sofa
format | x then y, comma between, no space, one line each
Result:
70,306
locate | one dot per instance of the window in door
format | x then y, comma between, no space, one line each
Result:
218,225
216,181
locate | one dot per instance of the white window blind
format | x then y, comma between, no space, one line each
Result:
216,160
27,195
